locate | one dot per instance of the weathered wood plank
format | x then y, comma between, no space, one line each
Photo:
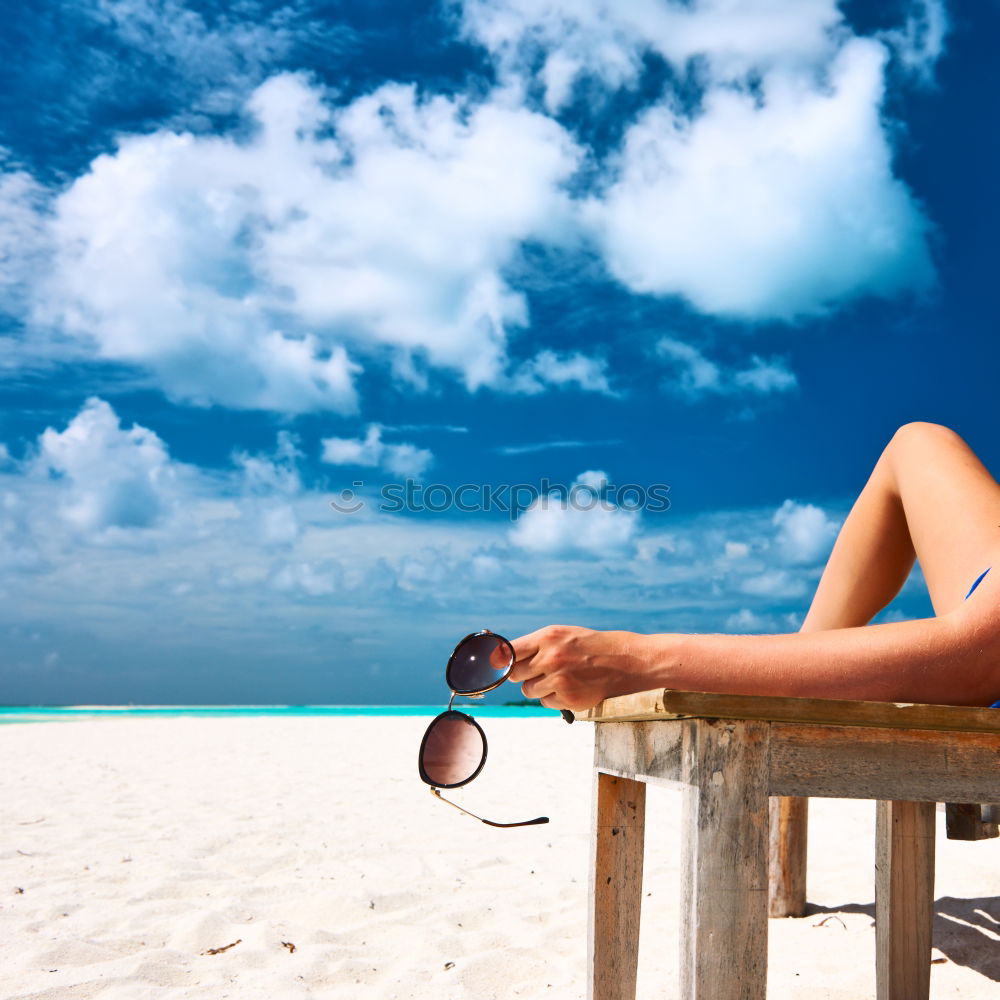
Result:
967,821
904,899
660,704
786,867
615,887
860,763
647,750
724,867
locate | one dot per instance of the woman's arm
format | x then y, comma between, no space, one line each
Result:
953,659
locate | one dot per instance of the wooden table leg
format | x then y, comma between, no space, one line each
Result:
787,861
724,870
904,899
615,887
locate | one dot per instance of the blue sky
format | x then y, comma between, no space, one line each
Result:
253,254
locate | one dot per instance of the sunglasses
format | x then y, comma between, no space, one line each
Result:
453,750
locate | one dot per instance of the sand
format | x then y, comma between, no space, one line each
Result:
131,848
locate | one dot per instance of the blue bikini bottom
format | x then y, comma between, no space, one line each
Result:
979,580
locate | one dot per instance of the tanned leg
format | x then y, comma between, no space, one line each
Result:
928,498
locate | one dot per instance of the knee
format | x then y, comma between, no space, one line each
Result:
921,430
920,433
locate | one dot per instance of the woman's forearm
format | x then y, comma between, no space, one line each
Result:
937,660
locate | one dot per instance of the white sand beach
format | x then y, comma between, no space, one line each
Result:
132,848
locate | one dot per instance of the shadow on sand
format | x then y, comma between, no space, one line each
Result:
966,931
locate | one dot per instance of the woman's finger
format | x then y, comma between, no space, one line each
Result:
537,687
525,649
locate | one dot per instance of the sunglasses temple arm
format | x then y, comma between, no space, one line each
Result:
488,822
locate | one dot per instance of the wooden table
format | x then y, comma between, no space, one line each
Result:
729,753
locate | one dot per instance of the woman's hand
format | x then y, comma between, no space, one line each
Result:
576,668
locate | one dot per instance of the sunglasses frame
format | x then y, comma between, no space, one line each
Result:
420,759
468,719
476,692
472,693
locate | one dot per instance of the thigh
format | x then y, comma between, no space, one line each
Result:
952,509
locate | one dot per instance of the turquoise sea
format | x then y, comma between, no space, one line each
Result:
63,713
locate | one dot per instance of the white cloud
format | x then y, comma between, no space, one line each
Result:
580,522
889,615
549,369
243,271
269,475
4,454
774,583
487,568
919,43
772,195
267,485
737,550
398,459
524,449
651,548
224,58
766,376
306,579
270,267
277,525
24,240
594,480
746,622
320,580
766,206
565,40
156,54
697,375
448,428
117,478
805,533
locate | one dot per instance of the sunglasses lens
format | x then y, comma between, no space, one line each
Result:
453,750
479,662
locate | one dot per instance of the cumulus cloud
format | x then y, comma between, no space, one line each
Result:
694,375
271,265
766,376
769,196
272,474
117,478
548,368
766,206
566,40
397,459
595,480
576,521
774,583
805,533
248,272
269,483
198,556
746,621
